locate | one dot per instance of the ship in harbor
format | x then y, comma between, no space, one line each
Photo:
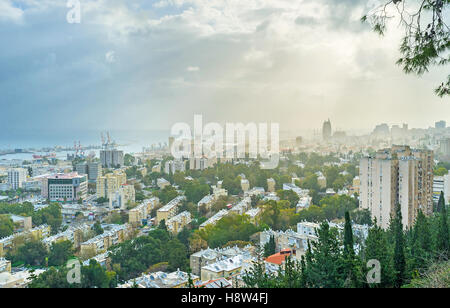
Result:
45,156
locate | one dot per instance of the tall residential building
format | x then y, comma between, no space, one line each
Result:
397,176
201,163
111,158
326,130
173,166
66,186
93,170
440,124
110,183
445,149
441,183
16,177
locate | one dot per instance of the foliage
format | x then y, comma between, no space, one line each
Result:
97,227
166,194
412,258
133,257
31,253
92,276
270,247
6,226
50,215
437,276
290,196
230,228
426,39
60,252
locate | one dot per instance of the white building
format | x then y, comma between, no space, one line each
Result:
159,280
16,177
178,222
441,183
172,166
162,182
397,176
214,219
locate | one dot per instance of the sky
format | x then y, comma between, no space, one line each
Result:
144,65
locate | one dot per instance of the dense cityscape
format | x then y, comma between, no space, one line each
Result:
149,220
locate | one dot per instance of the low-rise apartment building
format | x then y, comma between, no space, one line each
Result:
176,279
178,222
113,234
137,215
37,233
209,256
169,210
214,219
75,234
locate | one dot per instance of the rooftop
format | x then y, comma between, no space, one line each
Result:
280,257
171,204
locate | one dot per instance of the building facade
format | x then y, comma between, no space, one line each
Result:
110,183
93,170
16,177
66,187
111,158
397,176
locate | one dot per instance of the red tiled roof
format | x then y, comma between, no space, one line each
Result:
279,258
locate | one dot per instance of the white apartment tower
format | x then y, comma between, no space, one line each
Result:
397,176
16,177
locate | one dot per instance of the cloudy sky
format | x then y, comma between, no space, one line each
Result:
144,64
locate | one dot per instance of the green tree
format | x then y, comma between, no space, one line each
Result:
33,253
52,279
6,226
441,202
443,241
351,264
425,43
270,247
288,195
324,263
97,227
399,248
60,252
50,215
441,171
420,249
176,255
377,248
95,276
128,159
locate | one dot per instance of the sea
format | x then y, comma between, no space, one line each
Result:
130,141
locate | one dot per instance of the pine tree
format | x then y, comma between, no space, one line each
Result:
441,202
270,247
377,248
419,244
443,244
399,249
350,261
324,266
348,236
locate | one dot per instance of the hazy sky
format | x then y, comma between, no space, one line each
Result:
146,64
